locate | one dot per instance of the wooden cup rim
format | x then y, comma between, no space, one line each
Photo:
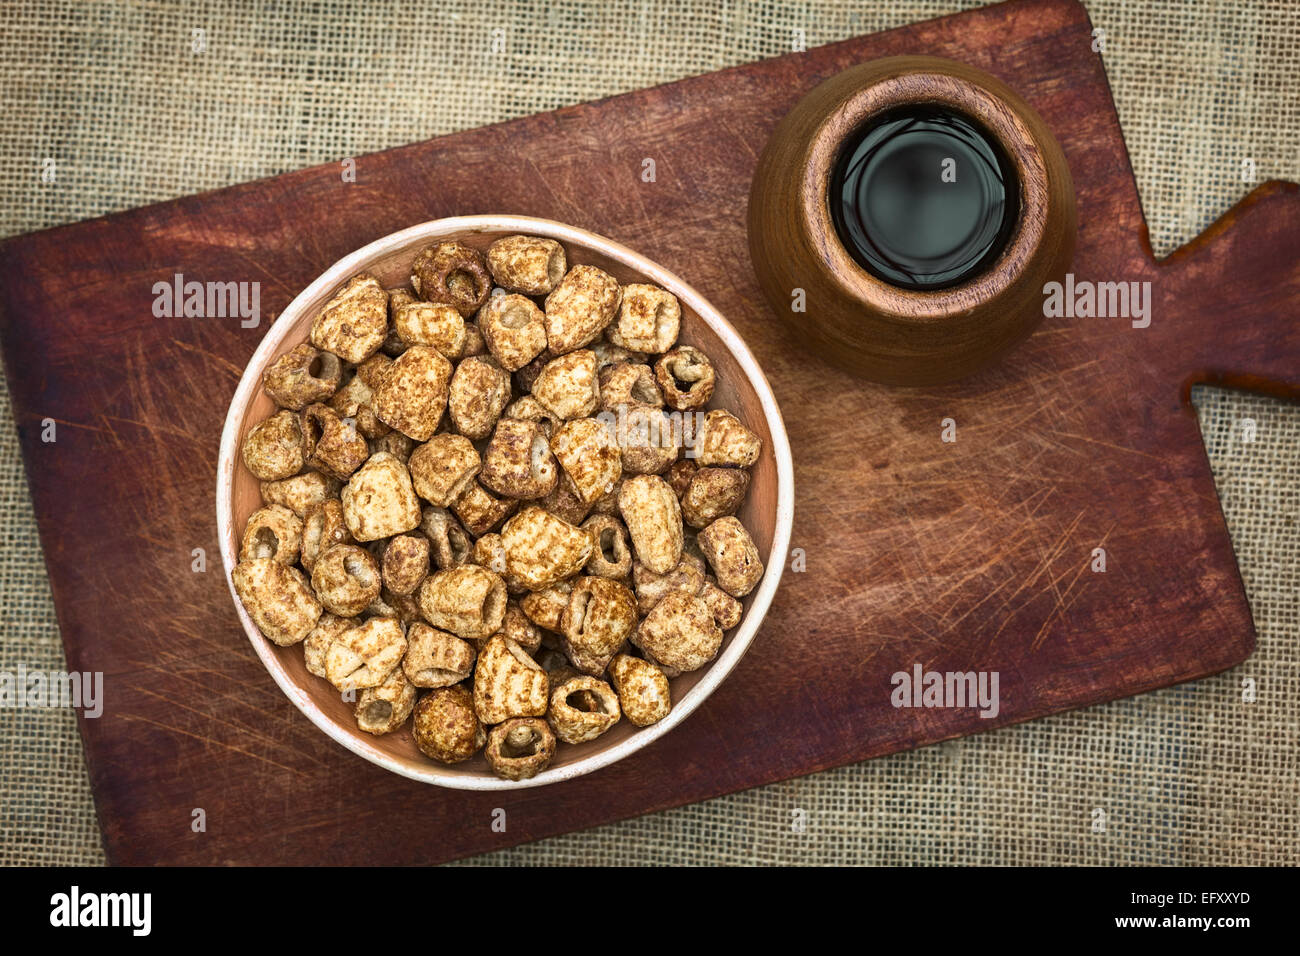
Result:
989,103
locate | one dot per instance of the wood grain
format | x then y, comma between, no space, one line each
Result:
971,555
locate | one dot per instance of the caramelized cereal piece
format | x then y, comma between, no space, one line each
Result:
346,579
272,448
454,274
542,549
713,493
383,709
589,456
527,264
600,616
364,656
508,683
567,386
520,748
518,462
379,500
681,632
300,492
414,393
469,601
723,440
686,378
445,726
654,521
301,376
435,658
648,319
277,598
480,512
329,444
480,390
514,330
731,553
582,708
354,323
272,532
580,308
443,468
405,564
643,693
436,325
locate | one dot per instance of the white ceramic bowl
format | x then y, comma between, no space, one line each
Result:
741,388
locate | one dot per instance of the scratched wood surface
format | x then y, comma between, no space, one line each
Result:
973,555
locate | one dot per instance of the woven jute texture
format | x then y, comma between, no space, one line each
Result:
115,99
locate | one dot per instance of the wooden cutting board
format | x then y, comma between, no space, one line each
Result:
973,555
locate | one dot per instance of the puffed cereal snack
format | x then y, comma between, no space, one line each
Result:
501,506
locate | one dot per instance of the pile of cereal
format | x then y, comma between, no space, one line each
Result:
501,488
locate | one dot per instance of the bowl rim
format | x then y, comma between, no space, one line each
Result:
272,342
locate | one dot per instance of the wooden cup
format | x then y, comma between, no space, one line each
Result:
860,322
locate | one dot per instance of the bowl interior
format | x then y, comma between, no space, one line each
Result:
389,260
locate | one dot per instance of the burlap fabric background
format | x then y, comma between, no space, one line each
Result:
130,115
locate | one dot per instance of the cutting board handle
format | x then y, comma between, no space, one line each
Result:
1248,263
